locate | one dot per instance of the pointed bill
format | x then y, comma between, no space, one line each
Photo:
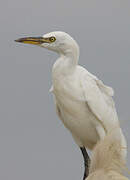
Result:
33,40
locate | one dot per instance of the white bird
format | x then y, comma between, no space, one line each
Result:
106,161
83,102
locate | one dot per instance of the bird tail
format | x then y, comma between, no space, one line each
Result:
107,154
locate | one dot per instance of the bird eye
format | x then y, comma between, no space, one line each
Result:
52,39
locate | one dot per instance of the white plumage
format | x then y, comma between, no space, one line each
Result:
106,161
83,102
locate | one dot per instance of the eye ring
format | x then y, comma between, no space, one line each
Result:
52,39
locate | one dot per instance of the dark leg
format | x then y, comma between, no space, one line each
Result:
86,162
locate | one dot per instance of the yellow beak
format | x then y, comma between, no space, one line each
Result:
33,40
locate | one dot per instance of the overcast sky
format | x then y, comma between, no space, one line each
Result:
34,145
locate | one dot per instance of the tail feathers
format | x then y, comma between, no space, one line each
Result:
107,154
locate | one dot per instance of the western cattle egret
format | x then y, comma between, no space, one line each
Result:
83,102
107,162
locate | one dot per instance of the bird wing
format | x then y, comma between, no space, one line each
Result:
99,100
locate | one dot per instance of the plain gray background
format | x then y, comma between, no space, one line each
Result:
34,145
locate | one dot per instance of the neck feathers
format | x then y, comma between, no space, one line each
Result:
71,53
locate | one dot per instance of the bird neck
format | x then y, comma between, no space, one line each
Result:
71,54
64,65
67,62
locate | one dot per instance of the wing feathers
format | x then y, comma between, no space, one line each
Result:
99,100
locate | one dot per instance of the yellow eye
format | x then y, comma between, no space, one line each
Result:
52,39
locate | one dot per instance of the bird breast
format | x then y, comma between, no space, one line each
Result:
74,112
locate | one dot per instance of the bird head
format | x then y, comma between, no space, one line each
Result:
57,41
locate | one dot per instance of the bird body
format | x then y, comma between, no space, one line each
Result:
73,106
72,109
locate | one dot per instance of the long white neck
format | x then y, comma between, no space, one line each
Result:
71,54
67,61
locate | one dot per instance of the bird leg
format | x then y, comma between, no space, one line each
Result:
86,162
